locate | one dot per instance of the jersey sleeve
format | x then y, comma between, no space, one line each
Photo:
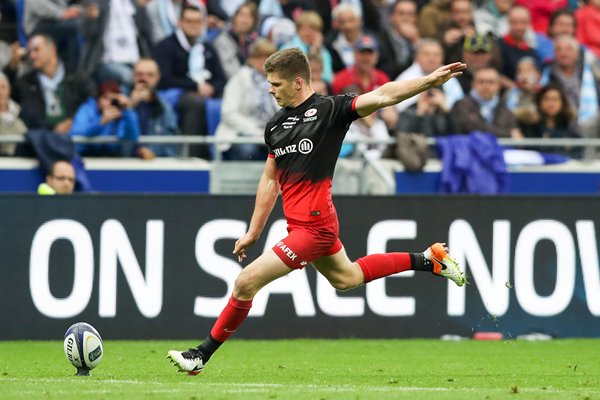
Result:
345,106
270,152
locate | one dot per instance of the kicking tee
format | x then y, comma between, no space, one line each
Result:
305,142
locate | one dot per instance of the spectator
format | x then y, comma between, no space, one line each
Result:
556,119
163,16
5,54
460,27
109,114
429,116
520,100
190,66
59,180
428,58
116,35
309,38
482,110
233,43
399,40
49,97
562,22
316,68
588,26
575,77
291,9
363,74
363,77
278,30
478,52
432,16
513,45
10,123
156,116
14,62
369,127
541,11
224,10
60,21
247,105
492,17
347,29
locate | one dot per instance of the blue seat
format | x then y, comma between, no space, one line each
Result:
213,117
171,96
213,114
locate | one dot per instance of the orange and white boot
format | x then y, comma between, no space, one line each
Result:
443,264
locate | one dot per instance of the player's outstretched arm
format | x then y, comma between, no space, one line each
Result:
266,195
394,92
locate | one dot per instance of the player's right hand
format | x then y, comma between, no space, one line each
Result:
241,245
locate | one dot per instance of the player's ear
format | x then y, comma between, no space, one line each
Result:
298,83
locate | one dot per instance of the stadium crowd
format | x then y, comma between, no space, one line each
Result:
128,68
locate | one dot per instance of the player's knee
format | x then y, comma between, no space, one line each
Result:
245,286
351,278
344,283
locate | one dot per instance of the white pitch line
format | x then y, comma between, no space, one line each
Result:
261,387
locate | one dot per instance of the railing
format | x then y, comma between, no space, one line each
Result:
184,142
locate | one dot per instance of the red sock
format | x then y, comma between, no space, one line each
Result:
232,316
377,266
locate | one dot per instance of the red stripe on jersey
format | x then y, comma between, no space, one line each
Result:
271,155
354,103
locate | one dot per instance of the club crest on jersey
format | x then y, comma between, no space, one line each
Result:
310,115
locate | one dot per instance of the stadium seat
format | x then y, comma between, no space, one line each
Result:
171,95
213,114
213,117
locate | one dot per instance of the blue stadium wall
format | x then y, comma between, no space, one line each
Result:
160,266
197,180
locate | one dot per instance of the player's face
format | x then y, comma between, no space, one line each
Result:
282,89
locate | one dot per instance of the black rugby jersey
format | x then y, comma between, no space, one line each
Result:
305,142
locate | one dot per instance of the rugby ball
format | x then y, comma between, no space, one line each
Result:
83,347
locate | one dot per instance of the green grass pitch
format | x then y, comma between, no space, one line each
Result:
313,369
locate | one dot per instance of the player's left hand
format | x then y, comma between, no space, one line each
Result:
445,73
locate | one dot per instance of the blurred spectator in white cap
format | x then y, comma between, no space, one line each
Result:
279,30
347,29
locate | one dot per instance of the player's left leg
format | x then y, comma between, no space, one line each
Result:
344,274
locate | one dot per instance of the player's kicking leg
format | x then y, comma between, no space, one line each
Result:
251,279
344,274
